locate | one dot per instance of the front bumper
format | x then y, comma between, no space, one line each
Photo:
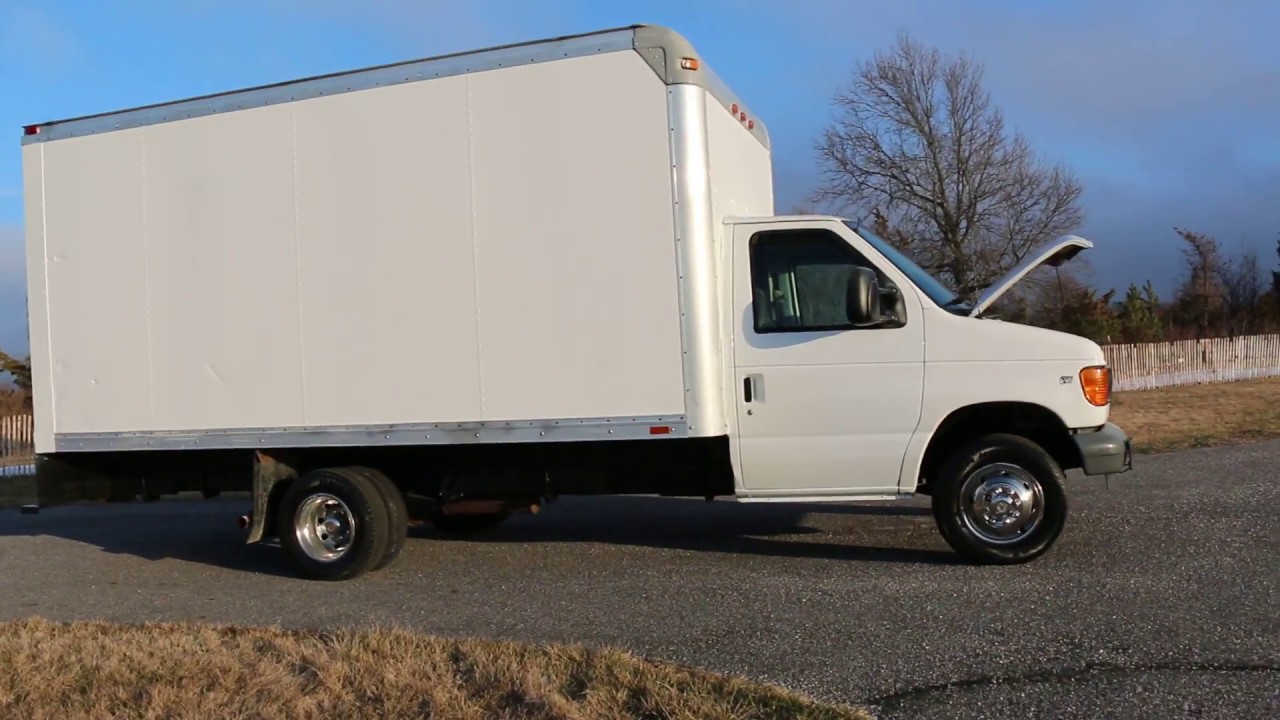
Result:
1105,451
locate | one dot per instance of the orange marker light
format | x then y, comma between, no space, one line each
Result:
1096,384
689,63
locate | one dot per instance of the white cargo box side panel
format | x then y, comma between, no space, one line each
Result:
741,168
741,185
95,251
223,274
486,247
37,305
578,303
385,256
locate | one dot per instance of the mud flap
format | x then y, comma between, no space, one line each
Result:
268,473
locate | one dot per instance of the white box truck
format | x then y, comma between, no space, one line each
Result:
449,289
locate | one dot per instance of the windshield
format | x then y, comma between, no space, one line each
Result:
928,284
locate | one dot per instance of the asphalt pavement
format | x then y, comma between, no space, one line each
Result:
1160,600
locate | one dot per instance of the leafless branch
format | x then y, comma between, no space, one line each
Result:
918,139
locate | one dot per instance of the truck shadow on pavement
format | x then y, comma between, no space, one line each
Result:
896,533
194,531
205,532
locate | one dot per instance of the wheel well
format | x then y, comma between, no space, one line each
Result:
1034,422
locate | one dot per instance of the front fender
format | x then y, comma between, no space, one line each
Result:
931,445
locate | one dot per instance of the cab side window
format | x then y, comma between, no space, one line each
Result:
799,282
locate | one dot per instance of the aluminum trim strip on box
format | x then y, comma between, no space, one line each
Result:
469,433
337,83
696,258
665,49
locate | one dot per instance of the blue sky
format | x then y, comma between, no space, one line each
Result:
1167,110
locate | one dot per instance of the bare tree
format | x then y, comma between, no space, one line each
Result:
19,370
1201,288
1242,290
1275,281
918,139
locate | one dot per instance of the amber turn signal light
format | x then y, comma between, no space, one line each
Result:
1096,383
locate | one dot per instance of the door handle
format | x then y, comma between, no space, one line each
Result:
751,388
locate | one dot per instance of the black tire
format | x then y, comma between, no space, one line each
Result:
1031,476
467,524
397,514
367,544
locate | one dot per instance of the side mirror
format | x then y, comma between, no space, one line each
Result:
862,299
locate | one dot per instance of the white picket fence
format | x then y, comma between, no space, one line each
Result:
16,437
1193,362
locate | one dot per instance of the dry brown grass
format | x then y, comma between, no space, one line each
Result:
1199,415
91,670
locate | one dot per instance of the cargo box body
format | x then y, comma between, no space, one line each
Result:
519,244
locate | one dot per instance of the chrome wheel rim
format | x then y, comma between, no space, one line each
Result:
324,527
1001,503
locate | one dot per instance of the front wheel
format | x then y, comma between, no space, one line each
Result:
999,500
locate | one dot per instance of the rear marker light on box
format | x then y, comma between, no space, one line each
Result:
31,130
660,430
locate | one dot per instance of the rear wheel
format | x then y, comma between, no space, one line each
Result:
397,514
1000,500
333,524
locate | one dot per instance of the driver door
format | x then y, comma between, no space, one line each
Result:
823,408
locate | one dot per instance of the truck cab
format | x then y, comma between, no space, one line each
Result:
858,375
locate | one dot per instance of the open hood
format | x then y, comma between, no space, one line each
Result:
1053,254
